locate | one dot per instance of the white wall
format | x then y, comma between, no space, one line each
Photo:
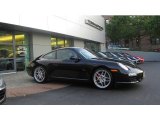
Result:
75,26
41,44
67,24
79,43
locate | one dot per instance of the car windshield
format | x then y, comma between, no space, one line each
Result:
102,54
87,54
117,54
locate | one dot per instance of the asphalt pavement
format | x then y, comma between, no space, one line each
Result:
81,93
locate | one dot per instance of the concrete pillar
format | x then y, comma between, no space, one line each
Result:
41,44
79,43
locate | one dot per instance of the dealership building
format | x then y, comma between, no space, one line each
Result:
23,38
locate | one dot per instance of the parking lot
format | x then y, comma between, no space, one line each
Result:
81,93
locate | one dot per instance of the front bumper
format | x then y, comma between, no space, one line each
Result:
125,78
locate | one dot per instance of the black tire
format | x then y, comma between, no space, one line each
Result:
102,79
40,74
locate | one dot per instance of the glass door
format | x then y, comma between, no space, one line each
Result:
7,56
21,51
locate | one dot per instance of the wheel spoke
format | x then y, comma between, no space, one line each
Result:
103,84
102,78
98,76
104,73
106,78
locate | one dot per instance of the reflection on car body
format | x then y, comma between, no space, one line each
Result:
80,64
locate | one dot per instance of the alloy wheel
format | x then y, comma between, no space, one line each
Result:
102,78
39,74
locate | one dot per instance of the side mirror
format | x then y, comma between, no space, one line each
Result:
76,59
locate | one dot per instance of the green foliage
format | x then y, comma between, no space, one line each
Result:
131,27
153,26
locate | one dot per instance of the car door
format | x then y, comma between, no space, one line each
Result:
68,65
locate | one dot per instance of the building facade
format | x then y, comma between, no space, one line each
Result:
23,38
145,43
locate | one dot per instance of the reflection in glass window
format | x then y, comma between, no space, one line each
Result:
22,51
62,55
87,54
93,46
53,43
6,38
51,55
8,55
20,39
6,64
6,51
68,43
60,42
65,54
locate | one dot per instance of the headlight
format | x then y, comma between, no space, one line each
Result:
132,74
123,66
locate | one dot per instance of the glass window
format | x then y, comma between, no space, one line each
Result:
20,39
53,43
60,43
65,54
6,39
21,50
6,51
102,54
153,41
87,54
157,41
6,64
51,55
14,50
93,46
68,43
109,55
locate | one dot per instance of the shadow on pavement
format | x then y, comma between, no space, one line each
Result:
126,87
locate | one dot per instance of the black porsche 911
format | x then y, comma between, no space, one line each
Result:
80,64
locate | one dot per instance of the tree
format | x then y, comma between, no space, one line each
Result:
127,28
153,26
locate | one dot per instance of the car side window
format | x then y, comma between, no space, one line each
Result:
65,54
51,55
